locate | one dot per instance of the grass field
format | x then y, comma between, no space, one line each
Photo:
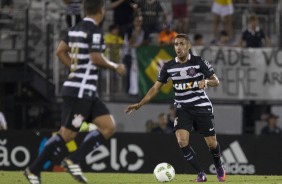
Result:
118,178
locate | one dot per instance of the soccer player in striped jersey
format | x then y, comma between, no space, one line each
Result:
81,51
190,75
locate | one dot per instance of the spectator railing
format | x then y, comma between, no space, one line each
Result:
43,33
269,18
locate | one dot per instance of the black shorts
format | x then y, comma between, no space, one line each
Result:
76,110
202,124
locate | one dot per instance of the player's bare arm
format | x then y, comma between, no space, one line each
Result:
148,97
63,54
100,60
211,82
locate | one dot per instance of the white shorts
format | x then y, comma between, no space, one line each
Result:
222,10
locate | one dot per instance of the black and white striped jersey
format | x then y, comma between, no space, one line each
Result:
84,38
185,78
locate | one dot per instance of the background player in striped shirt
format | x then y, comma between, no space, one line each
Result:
81,51
190,76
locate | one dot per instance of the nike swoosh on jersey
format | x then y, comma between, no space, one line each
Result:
211,129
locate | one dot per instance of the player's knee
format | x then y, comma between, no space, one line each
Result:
182,143
108,131
67,134
212,144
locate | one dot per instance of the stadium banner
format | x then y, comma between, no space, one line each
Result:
244,73
140,153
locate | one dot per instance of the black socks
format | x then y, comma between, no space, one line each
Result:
54,148
92,141
190,156
216,156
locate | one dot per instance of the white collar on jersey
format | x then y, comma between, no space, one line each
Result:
89,19
178,61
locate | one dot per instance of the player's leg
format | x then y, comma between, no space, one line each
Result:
72,168
55,148
206,127
183,125
216,154
92,141
214,149
105,129
189,154
75,111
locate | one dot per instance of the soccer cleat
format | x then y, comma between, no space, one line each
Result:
74,170
221,174
32,178
201,177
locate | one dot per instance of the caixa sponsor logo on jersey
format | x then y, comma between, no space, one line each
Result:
186,86
235,161
18,156
118,160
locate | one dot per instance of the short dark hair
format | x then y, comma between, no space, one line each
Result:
182,35
92,7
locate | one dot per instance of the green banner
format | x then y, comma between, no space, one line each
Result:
150,60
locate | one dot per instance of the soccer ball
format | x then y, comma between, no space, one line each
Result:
164,172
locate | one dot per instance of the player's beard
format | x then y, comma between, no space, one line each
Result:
183,56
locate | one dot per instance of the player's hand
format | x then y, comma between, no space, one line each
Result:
121,69
132,108
203,84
